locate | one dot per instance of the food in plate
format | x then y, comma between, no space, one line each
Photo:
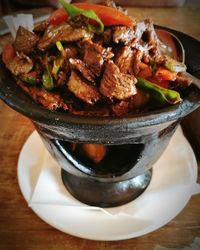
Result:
89,59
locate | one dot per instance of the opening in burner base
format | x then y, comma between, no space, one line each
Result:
105,194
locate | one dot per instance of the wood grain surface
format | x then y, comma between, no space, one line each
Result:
21,229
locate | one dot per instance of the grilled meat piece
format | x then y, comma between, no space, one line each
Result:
62,77
70,52
25,40
82,89
62,32
153,41
124,60
138,54
107,36
139,100
123,34
49,100
77,64
21,64
183,79
120,108
41,27
139,30
93,56
115,84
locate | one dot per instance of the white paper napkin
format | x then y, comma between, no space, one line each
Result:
166,180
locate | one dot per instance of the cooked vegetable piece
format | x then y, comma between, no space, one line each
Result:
47,80
8,53
161,94
57,63
30,78
174,65
59,46
90,14
165,74
109,16
58,16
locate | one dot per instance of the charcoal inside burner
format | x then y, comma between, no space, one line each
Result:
118,159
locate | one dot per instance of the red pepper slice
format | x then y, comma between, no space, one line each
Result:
109,16
165,74
8,53
58,16
157,80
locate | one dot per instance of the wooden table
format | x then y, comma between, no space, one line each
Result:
21,229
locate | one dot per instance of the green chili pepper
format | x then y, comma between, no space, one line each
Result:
161,94
74,11
59,46
57,63
47,80
29,80
174,65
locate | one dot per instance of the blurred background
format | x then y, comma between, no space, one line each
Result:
8,6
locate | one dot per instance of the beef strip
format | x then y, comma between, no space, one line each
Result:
123,34
62,78
82,90
136,102
62,32
141,37
153,40
70,52
41,27
124,60
139,30
115,84
49,100
138,54
183,79
77,64
139,100
120,108
94,56
25,40
21,64
107,36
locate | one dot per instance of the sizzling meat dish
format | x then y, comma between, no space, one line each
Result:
89,59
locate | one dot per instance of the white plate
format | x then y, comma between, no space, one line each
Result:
173,183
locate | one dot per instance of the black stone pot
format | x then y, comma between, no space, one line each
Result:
134,142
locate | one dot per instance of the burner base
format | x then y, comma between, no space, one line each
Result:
105,194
